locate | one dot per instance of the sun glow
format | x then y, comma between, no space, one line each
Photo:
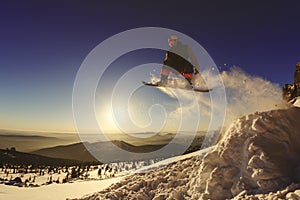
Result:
106,122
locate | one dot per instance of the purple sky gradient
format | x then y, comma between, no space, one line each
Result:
43,44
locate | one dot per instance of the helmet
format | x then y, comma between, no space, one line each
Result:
172,40
173,37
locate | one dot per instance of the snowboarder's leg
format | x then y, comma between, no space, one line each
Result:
188,72
188,77
164,74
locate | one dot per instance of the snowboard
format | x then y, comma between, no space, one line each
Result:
170,86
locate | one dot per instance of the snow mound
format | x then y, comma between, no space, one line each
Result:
259,153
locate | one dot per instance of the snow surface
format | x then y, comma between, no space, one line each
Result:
168,161
256,158
55,191
41,189
151,180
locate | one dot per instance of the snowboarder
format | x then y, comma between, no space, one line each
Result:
177,62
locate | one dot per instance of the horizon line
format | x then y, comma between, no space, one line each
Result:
90,132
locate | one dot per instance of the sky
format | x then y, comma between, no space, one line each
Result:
43,44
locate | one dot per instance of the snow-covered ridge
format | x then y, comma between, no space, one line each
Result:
171,160
258,154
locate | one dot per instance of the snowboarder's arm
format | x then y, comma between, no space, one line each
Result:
166,61
193,59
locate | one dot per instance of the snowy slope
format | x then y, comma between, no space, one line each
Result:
77,188
167,178
55,191
257,157
171,160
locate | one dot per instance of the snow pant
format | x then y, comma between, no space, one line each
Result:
186,71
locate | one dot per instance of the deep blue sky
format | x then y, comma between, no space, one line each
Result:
43,43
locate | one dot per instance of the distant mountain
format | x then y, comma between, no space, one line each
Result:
10,156
136,149
31,141
105,151
75,151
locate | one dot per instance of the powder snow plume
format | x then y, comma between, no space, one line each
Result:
245,93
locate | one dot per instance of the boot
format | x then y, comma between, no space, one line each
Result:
163,80
190,84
